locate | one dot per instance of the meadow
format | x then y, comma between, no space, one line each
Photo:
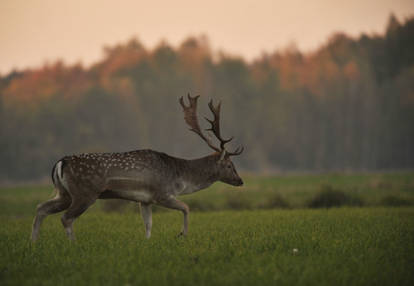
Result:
269,232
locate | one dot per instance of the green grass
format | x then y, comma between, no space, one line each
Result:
346,246
370,245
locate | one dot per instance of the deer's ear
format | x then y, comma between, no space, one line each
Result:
222,155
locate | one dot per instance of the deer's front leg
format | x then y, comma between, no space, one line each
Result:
173,203
146,212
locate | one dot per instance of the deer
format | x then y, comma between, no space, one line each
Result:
144,176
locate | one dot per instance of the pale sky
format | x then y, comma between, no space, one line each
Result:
33,32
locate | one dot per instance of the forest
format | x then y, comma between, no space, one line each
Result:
346,106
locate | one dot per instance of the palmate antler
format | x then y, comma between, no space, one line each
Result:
190,116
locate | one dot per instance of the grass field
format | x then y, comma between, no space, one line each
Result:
370,245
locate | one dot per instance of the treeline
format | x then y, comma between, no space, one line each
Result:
347,106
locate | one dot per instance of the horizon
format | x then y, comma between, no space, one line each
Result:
68,33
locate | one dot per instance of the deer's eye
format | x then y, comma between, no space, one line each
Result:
228,166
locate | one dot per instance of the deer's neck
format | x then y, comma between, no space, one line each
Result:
199,173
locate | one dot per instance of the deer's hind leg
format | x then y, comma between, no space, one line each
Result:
83,195
79,206
59,203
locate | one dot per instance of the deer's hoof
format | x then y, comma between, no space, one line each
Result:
182,234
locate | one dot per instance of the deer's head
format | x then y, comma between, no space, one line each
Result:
224,166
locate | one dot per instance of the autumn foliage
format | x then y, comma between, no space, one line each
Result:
349,105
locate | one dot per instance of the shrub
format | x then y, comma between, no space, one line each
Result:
275,201
394,201
114,205
238,202
329,197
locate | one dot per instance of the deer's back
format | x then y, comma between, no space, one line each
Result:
140,169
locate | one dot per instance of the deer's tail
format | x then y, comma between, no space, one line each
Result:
58,177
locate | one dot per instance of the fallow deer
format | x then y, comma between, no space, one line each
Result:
144,176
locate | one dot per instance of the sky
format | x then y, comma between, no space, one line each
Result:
35,32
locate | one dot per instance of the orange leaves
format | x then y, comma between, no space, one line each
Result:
35,86
351,71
